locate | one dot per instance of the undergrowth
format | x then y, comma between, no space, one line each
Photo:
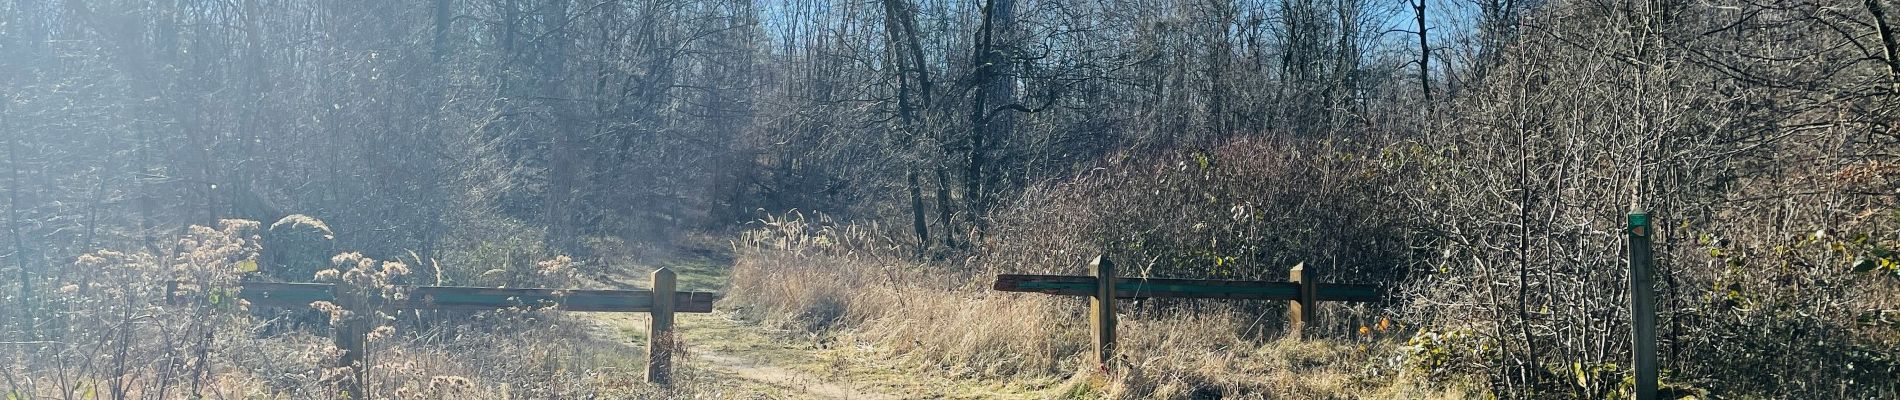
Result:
169,323
813,273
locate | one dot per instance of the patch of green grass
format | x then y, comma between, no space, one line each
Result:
700,265
707,272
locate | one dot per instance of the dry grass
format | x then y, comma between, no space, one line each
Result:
812,274
167,325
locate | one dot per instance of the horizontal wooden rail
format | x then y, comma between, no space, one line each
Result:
477,298
351,332
1140,288
1302,294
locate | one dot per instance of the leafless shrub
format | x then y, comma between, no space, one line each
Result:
1249,209
1764,196
137,324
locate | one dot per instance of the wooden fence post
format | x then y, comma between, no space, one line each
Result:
660,338
1301,311
1642,305
352,337
1102,310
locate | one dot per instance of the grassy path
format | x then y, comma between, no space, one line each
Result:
743,359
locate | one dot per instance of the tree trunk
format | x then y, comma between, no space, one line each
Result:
432,199
998,15
562,171
1887,41
20,250
944,207
917,215
1424,55
908,59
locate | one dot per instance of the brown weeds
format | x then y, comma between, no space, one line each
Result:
812,273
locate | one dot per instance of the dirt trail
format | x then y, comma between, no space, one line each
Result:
765,366
762,363
756,371
721,347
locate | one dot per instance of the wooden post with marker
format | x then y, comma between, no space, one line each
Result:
1102,310
1301,311
660,340
1642,304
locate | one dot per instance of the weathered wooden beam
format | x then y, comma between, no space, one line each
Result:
1102,312
270,294
1303,310
660,330
475,298
351,336
1140,288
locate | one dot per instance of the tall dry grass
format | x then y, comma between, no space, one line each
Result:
817,274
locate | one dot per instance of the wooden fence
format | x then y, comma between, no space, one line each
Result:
661,301
1301,291
1103,287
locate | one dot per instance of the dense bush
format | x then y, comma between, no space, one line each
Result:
1762,186
1250,209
